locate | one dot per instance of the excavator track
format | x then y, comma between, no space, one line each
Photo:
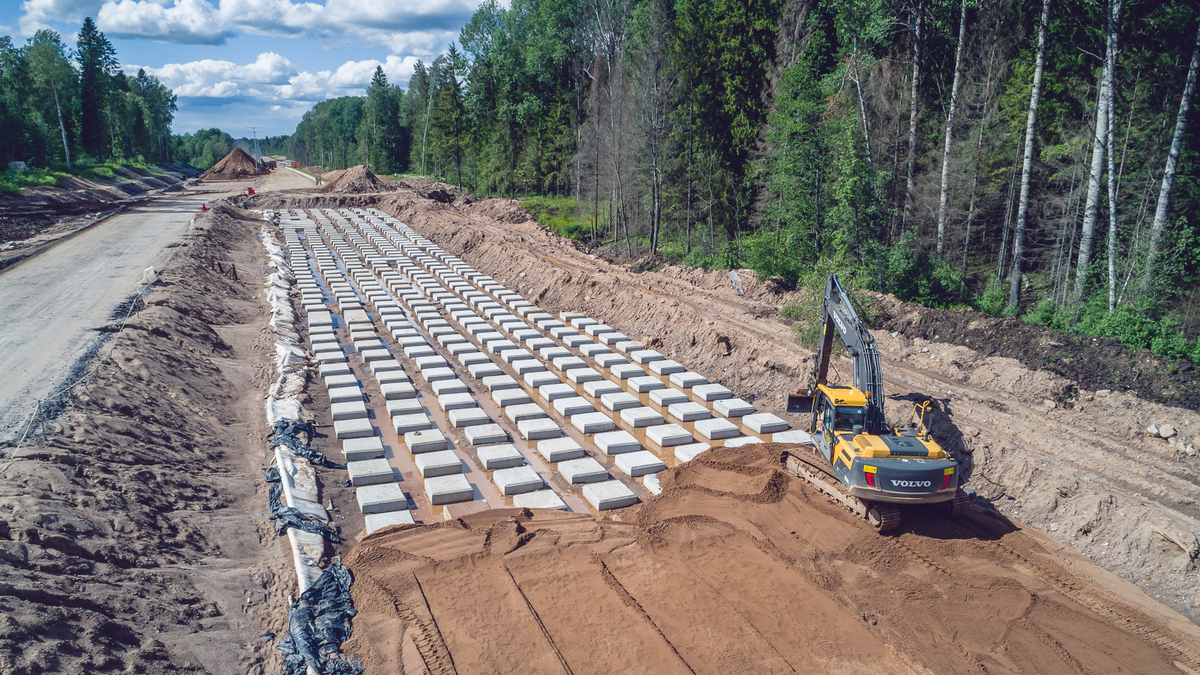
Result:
812,468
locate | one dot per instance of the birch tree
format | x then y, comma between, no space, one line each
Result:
1014,288
912,115
941,227
1110,67
1164,193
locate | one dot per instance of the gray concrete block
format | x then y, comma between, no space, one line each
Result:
667,435
392,376
744,440
617,442
688,379
592,350
419,351
611,494
583,375
624,371
437,374
551,353
534,429
618,401
517,480
733,407
381,498
646,356
386,366
448,402
641,417
621,342
560,449
667,397
794,436
469,359
689,411
352,410
640,463
593,422
560,332
765,423
645,384
711,392
483,370
504,456
330,357
556,390
397,390
345,394
540,378
467,417
460,348
583,470
598,329
573,405
425,440
482,434
370,355
377,521
524,411
599,388
369,472
411,422
507,397
328,370
449,489
666,367
686,453
565,363
403,406
717,428
538,343
496,383
576,340
542,499
449,386
429,362
437,463
527,366
359,449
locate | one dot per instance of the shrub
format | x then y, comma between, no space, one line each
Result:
911,274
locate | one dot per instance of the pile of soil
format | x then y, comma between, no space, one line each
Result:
237,165
738,567
132,536
355,180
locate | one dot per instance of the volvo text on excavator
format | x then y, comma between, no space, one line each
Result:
855,457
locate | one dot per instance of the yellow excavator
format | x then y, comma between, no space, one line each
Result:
855,457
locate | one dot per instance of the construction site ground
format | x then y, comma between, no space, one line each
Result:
133,533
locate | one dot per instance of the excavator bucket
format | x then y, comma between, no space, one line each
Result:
800,401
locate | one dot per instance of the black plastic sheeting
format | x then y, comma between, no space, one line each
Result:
318,623
285,517
287,432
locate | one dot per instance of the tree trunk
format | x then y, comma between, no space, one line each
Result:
1092,205
1164,194
987,95
941,228
1114,23
862,111
912,117
61,126
1014,289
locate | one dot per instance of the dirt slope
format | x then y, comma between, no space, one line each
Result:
738,567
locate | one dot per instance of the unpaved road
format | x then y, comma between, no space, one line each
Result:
53,303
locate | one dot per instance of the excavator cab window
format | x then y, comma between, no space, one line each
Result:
848,417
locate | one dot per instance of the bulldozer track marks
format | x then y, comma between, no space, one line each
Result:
537,619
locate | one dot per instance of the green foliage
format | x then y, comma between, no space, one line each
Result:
994,299
559,215
913,275
11,182
1139,325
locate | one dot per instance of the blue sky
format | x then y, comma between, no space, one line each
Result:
235,64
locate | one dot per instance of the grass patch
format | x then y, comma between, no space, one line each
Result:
11,182
559,215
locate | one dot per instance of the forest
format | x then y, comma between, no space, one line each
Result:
68,106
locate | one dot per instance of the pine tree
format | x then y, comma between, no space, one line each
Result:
97,62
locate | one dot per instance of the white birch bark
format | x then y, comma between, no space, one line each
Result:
1091,207
912,116
941,228
1114,23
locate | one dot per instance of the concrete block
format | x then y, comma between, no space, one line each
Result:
410,339
425,440
608,360
576,340
439,463
579,321
624,371
352,410
688,379
666,367
573,405
560,332
667,397
436,374
382,498
591,350
526,366
711,392
430,362
744,440
599,388
653,486
467,417
617,442
345,394
641,417
583,375
583,470
470,358
418,351
482,434
330,357
620,401
494,383
504,456
451,339
386,366
686,453
717,428
405,424
517,480
592,422
611,494
512,355
327,370
359,449
377,521
364,340
320,319
507,397
404,406
668,435
459,348
688,412
370,355
397,390
765,423
556,390
733,407
565,363
369,472
645,384
392,376
542,499
538,343
551,353
560,449
524,411
449,489
498,346
646,356
598,329
448,386
640,463
535,429
794,436
540,378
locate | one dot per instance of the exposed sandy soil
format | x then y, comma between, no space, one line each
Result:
738,567
132,531
237,165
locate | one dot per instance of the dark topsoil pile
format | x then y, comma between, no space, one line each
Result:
131,533
355,180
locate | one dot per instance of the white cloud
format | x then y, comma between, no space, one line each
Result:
35,13
185,21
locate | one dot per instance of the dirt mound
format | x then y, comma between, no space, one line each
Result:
443,193
500,210
237,165
738,567
355,180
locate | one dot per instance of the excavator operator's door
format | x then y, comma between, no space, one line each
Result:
823,434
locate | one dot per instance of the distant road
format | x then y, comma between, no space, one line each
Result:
52,302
